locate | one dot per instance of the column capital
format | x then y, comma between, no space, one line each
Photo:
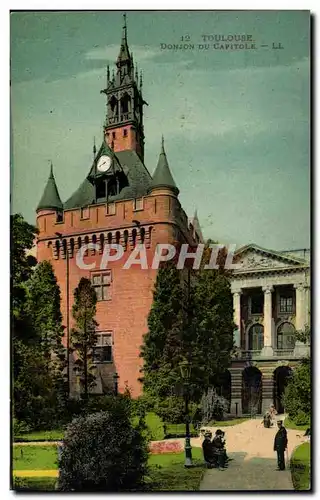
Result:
236,291
300,286
267,289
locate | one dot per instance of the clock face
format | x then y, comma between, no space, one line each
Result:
104,163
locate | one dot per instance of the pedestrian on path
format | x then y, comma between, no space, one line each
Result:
273,412
280,444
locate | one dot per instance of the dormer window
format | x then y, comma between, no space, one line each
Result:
125,132
113,135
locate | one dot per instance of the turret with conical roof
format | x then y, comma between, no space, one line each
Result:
162,177
50,199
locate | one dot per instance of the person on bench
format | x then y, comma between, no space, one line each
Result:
219,450
208,450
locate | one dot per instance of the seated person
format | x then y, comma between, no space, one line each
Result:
223,438
208,449
219,449
267,420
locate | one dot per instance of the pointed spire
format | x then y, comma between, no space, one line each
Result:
162,176
124,54
50,198
94,147
140,80
108,75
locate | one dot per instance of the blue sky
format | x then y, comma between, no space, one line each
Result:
236,123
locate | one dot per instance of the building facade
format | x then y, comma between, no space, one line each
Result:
118,202
271,297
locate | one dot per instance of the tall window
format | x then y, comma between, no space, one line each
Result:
286,304
257,303
256,337
101,283
285,336
102,351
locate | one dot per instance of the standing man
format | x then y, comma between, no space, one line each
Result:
280,444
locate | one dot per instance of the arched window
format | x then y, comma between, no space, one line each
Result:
94,241
86,242
285,336
134,237
117,237
125,239
142,234
79,242
71,247
64,249
109,238
113,105
256,337
101,243
125,104
58,249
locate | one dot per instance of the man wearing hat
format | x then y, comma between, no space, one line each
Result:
208,449
280,444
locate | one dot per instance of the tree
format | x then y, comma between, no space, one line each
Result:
22,263
190,319
83,336
44,310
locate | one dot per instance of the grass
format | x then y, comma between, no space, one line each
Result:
34,457
289,424
166,471
227,423
53,435
34,483
300,467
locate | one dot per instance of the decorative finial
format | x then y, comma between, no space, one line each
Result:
113,75
137,74
94,147
108,74
162,144
140,80
124,25
51,168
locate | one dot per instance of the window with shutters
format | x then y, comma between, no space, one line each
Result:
101,282
102,351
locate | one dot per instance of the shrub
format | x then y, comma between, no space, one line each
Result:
19,427
103,452
302,418
213,406
171,409
297,396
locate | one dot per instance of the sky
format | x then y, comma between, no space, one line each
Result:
235,122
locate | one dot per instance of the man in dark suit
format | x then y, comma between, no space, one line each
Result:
280,444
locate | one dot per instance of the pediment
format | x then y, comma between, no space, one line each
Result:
253,258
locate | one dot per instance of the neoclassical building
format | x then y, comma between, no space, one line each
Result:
271,296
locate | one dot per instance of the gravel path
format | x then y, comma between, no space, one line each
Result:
254,465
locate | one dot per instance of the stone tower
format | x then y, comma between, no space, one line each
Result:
118,202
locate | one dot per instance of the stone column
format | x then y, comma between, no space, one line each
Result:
301,349
300,306
237,317
267,388
236,391
267,321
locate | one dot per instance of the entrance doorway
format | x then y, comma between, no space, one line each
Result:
251,390
280,380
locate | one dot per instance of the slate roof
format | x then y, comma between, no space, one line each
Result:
162,176
139,181
50,198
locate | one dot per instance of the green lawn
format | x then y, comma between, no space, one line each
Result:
227,423
54,435
34,457
291,425
166,472
34,483
300,467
